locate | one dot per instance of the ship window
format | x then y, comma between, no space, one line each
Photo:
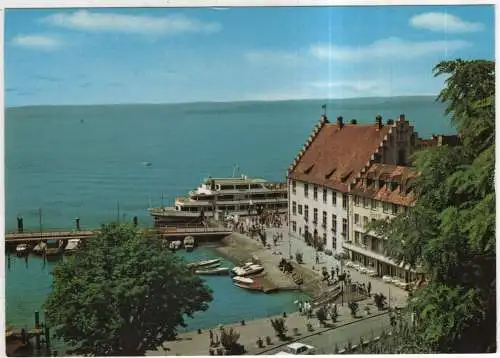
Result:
255,186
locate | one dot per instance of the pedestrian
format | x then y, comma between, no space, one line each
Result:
337,270
332,273
300,307
369,287
317,259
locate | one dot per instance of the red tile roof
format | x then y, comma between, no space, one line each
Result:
336,155
389,174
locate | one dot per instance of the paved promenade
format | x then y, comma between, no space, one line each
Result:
195,344
397,295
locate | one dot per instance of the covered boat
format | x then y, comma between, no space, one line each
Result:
213,271
22,249
247,270
189,243
204,263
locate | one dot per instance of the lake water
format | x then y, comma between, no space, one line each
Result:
87,161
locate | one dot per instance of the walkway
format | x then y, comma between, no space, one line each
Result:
395,295
195,344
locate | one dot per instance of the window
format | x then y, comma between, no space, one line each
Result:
325,195
324,238
394,209
334,198
356,237
315,216
306,190
344,201
373,221
405,208
294,226
373,204
294,208
306,212
334,243
334,223
315,192
365,220
344,227
356,200
365,202
356,218
385,207
300,209
294,186
324,219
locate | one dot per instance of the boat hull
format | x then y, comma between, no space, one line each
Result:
214,272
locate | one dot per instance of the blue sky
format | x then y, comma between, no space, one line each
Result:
94,56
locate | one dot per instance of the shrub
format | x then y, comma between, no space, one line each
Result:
268,341
260,343
334,314
328,252
279,327
379,300
321,315
299,257
353,306
310,327
229,340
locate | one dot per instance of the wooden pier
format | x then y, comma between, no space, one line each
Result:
164,232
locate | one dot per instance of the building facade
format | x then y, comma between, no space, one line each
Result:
381,192
330,162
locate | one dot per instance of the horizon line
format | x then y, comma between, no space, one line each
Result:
216,101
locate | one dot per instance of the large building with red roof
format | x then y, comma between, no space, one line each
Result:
334,162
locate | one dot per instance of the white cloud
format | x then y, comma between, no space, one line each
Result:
392,47
37,42
271,57
362,86
440,21
138,24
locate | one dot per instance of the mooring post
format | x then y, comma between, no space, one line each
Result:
37,326
77,221
47,331
20,225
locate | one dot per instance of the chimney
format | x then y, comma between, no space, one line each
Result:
390,122
353,121
378,121
401,117
340,122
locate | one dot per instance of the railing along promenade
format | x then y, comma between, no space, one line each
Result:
173,231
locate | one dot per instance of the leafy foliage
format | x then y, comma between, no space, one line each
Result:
353,306
122,294
321,314
451,230
229,340
279,327
380,300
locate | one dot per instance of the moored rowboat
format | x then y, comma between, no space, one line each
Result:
213,271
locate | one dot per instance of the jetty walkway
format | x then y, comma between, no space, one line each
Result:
165,232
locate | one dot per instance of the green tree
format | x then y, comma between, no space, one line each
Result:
451,229
122,294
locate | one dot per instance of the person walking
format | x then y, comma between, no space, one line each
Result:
317,259
369,288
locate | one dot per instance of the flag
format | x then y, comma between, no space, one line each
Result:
323,106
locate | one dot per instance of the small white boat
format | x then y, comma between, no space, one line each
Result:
189,243
204,263
247,270
213,271
22,249
243,280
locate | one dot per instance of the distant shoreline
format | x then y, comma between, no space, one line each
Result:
222,102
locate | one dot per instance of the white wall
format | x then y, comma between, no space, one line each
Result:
330,209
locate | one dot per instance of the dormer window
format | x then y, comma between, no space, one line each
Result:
381,184
308,170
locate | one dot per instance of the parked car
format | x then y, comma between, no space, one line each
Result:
298,349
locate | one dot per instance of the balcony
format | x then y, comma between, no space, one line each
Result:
323,225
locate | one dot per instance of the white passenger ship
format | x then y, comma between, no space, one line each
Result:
221,197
